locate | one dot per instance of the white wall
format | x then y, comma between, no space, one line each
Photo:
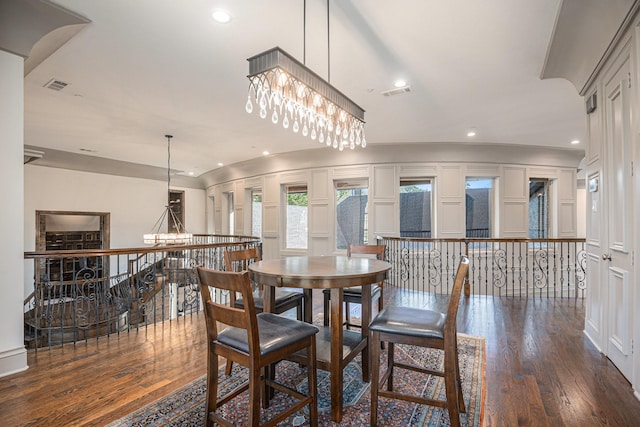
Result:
134,204
383,178
13,356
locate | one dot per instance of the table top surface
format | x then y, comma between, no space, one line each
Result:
320,267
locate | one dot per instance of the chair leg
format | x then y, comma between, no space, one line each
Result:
347,314
390,363
452,403
380,307
228,368
268,392
326,309
461,405
375,376
211,402
451,387
311,378
299,312
255,385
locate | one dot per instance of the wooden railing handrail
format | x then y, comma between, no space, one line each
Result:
146,249
29,298
484,239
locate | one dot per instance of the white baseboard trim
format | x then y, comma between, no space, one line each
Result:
13,361
586,334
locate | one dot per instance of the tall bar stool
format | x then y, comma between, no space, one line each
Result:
424,328
238,260
354,293
255,340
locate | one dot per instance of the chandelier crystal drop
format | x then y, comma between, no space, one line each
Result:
291,93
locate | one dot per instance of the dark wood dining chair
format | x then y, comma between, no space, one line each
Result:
354,294
424,328
286,300
257,341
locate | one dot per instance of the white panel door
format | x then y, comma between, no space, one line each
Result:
617,259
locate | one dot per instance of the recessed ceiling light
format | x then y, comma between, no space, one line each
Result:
400,83
191,174
265,153
471,133
221,16
575,141
220,164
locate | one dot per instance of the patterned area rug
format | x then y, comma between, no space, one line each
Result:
185,407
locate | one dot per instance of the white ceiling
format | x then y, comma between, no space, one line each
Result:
144,68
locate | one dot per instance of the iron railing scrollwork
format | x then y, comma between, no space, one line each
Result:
502,267
134,288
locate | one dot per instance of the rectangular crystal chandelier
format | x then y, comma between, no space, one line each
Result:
283,87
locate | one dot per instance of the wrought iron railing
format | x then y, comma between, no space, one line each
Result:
78,295
422,234
499,267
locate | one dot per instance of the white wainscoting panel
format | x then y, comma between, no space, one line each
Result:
385,184
384,212
451,182
319,188
594,302
594,140
515,183
594,211
320,246
238,217
319,217
567,185
418,171
619,327
515,220
271,190
567,219
270,223
451,220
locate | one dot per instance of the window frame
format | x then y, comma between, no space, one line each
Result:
350,184
231,212
492,204
252,193
286,190
552,206
418,181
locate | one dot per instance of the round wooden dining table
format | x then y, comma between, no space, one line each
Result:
336,347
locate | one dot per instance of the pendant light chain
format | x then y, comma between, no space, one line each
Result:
169,170
328,47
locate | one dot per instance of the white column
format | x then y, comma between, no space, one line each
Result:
13,356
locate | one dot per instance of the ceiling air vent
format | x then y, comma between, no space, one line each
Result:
55,84
397,91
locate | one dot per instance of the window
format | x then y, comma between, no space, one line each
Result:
351,214
415,208
539,208
231,213
256,213
296,217
479,202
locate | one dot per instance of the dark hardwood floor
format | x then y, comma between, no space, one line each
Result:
540,370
